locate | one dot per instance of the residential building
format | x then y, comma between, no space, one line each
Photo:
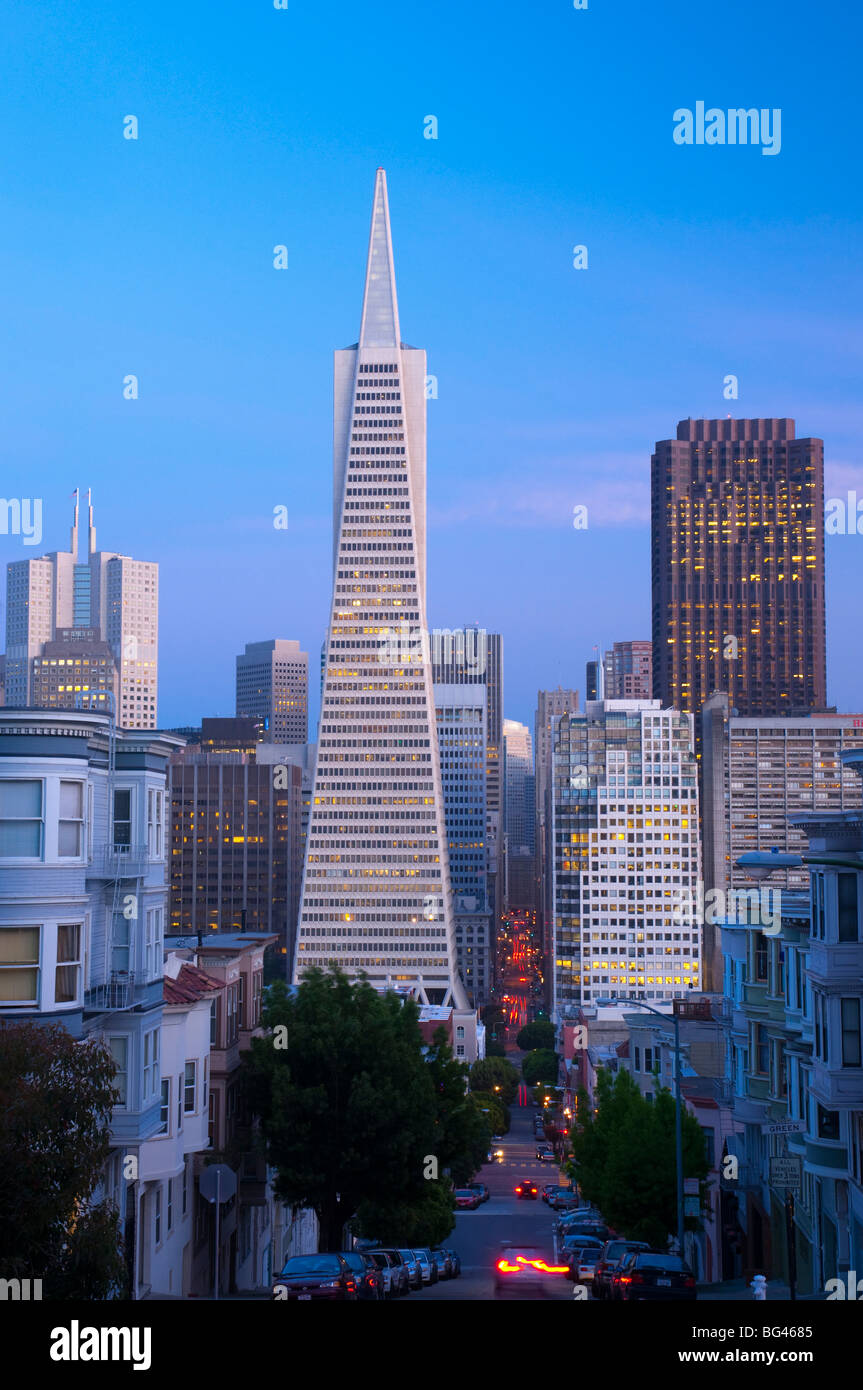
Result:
629,671
376,894
738,567
273,688
76,602
83,903
626,847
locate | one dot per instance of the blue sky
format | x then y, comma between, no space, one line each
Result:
259,127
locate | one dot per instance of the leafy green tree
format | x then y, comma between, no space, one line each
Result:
347,1106
424,1220
461,1141
495,1115
494,1049
536,1035
56,1098
490,1072
624,1158
540,1066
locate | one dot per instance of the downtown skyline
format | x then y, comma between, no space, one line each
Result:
554,384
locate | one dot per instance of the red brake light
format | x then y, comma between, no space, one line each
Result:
637,1279
689,1282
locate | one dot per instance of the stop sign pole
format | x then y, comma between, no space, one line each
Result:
218,1183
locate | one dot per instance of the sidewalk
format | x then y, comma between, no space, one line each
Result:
738,1290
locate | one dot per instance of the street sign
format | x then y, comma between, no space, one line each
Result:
691,1206
221,1176
786,1171
690,1187
784,1127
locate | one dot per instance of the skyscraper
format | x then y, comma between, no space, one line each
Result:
65,601
549,703
273,687
629,671
376,887
519,814
738,567
626,851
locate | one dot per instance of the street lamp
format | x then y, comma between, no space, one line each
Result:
678,1114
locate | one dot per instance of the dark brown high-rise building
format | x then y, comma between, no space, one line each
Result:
738,567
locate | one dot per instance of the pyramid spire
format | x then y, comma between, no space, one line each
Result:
380,321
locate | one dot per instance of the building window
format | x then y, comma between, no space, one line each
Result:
762,1050
828,1123
257,994
151,1063
179,1103
709,1146
850,1017
20,819
121,944
760,959
165,1111
119,1049
19,965
241,1001
204,1098
153,943
846,885
157,1216
638,1059
170,1213
122,818
71,824
154,823
190,1087
214,1021
185,1185
67,976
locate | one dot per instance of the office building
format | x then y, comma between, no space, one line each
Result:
376,890
593,678
273,688
61,600
738,567
549,703
461,722
629,671
519,816
626,848
757,774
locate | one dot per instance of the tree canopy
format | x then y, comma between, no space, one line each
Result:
489,1072
56,1098
624,1157
540,1066
536,1035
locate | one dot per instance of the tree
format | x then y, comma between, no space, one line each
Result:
624,1158
347,1107
461,1141
536,1035
490,1072
56,1099
495,1115
424,1220
494,1049
540,1066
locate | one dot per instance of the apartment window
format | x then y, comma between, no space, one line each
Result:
185,1185
232,1014
121,944
70,828
820,1027
154,823
189,1088
20,819
762,1050
847,894
709,1146
241,1002
257,994
850,1018
828,1123
153,942
179,1103
119,1049
638,1059
170,1212
67,977
214,1022
165,1111
760,959
157,1216
19,965
204,1098
122,818
151,1063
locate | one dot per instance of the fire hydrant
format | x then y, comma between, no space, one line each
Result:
759,1288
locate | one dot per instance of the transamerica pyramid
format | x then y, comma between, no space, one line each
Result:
376,893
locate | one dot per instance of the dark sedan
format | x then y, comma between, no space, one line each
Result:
403,1277
466,1199
306,1277
526,1188
650,1276
613,1254
370,1283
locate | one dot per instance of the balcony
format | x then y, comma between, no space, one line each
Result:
119,861
112,995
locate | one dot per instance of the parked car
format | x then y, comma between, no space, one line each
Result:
415,1275
428,1267
561,1198
526,1188
573,1223
547,1190
466,1199
443,1260
370,1284
456,1263
480,1188
612,1254
401,1269
650,1275
575,1256
326,1276
390,1280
